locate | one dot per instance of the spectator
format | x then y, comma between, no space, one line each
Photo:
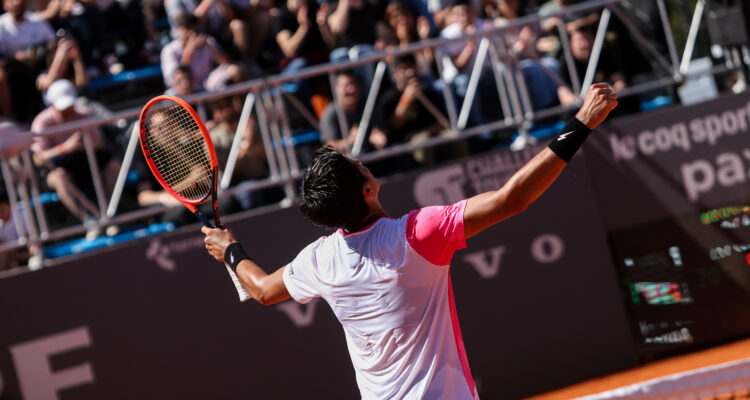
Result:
412,108
462,57
550,43
303,35
581,44
348,94
8,234
357,22
67,63
71,20
5,98
251,163
184,84
404,28
442,11
62,158
23,43
236,24
197,50
520,42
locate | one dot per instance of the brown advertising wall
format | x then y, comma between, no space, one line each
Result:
544,299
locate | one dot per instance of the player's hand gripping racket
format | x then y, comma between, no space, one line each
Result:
181,156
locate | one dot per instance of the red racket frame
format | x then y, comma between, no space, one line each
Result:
191,205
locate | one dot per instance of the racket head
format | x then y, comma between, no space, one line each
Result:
178,149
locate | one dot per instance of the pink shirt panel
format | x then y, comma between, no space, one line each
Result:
436,232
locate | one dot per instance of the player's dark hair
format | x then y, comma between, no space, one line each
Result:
331,193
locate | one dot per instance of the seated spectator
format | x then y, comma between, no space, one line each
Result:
404,28
442,13
549,44
355,26
303,35
348,95
251,163
23,44
67,63
5,98
62,158
410,109
195,49
520,45
462,57
581,44
8,234
238,25
70,19
184,84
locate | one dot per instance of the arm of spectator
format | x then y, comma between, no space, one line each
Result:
71,144
581,22
49,11
398,119
378,138
442,17
339,19
461,61
58,67
149,197
618,81
289,42
80,74
225,10
566,96
321,17
202,9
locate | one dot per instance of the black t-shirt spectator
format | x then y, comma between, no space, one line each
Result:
313,47
604,69
362,25
418,117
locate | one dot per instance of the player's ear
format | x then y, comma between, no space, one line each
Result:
367,190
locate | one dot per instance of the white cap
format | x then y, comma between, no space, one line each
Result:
61,94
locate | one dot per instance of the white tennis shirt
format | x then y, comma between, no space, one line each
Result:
389,286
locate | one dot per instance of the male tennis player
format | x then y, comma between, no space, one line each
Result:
387,279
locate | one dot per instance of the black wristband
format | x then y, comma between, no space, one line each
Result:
233,255
570,139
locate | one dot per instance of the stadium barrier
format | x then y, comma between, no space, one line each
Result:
267,99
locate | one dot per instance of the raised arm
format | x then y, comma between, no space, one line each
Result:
529,182
266,289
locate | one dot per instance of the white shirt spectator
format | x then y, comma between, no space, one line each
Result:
451,50
15,37
201,62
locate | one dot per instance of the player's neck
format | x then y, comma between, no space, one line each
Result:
374,215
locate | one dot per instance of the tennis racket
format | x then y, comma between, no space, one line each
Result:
180,154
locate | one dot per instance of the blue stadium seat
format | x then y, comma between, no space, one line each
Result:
82,245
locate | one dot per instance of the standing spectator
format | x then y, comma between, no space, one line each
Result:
581,44
195,49
357,22
349,96
23,43
63,158
550,43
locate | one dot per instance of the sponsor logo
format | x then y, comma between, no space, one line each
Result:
163,253
564,136
301,315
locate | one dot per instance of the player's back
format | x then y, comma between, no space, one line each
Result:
396,310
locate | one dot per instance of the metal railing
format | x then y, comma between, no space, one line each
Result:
267,99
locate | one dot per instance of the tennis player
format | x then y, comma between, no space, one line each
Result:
387,279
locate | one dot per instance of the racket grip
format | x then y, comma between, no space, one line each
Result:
244,295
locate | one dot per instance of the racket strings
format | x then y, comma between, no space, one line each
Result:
179,150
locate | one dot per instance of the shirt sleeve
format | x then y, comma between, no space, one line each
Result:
300,277
437,232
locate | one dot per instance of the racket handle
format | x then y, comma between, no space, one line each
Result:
244,295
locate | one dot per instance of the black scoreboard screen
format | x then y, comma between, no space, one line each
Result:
686,280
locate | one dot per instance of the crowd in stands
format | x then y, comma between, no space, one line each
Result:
51,50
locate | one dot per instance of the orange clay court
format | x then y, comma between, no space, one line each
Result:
701,359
